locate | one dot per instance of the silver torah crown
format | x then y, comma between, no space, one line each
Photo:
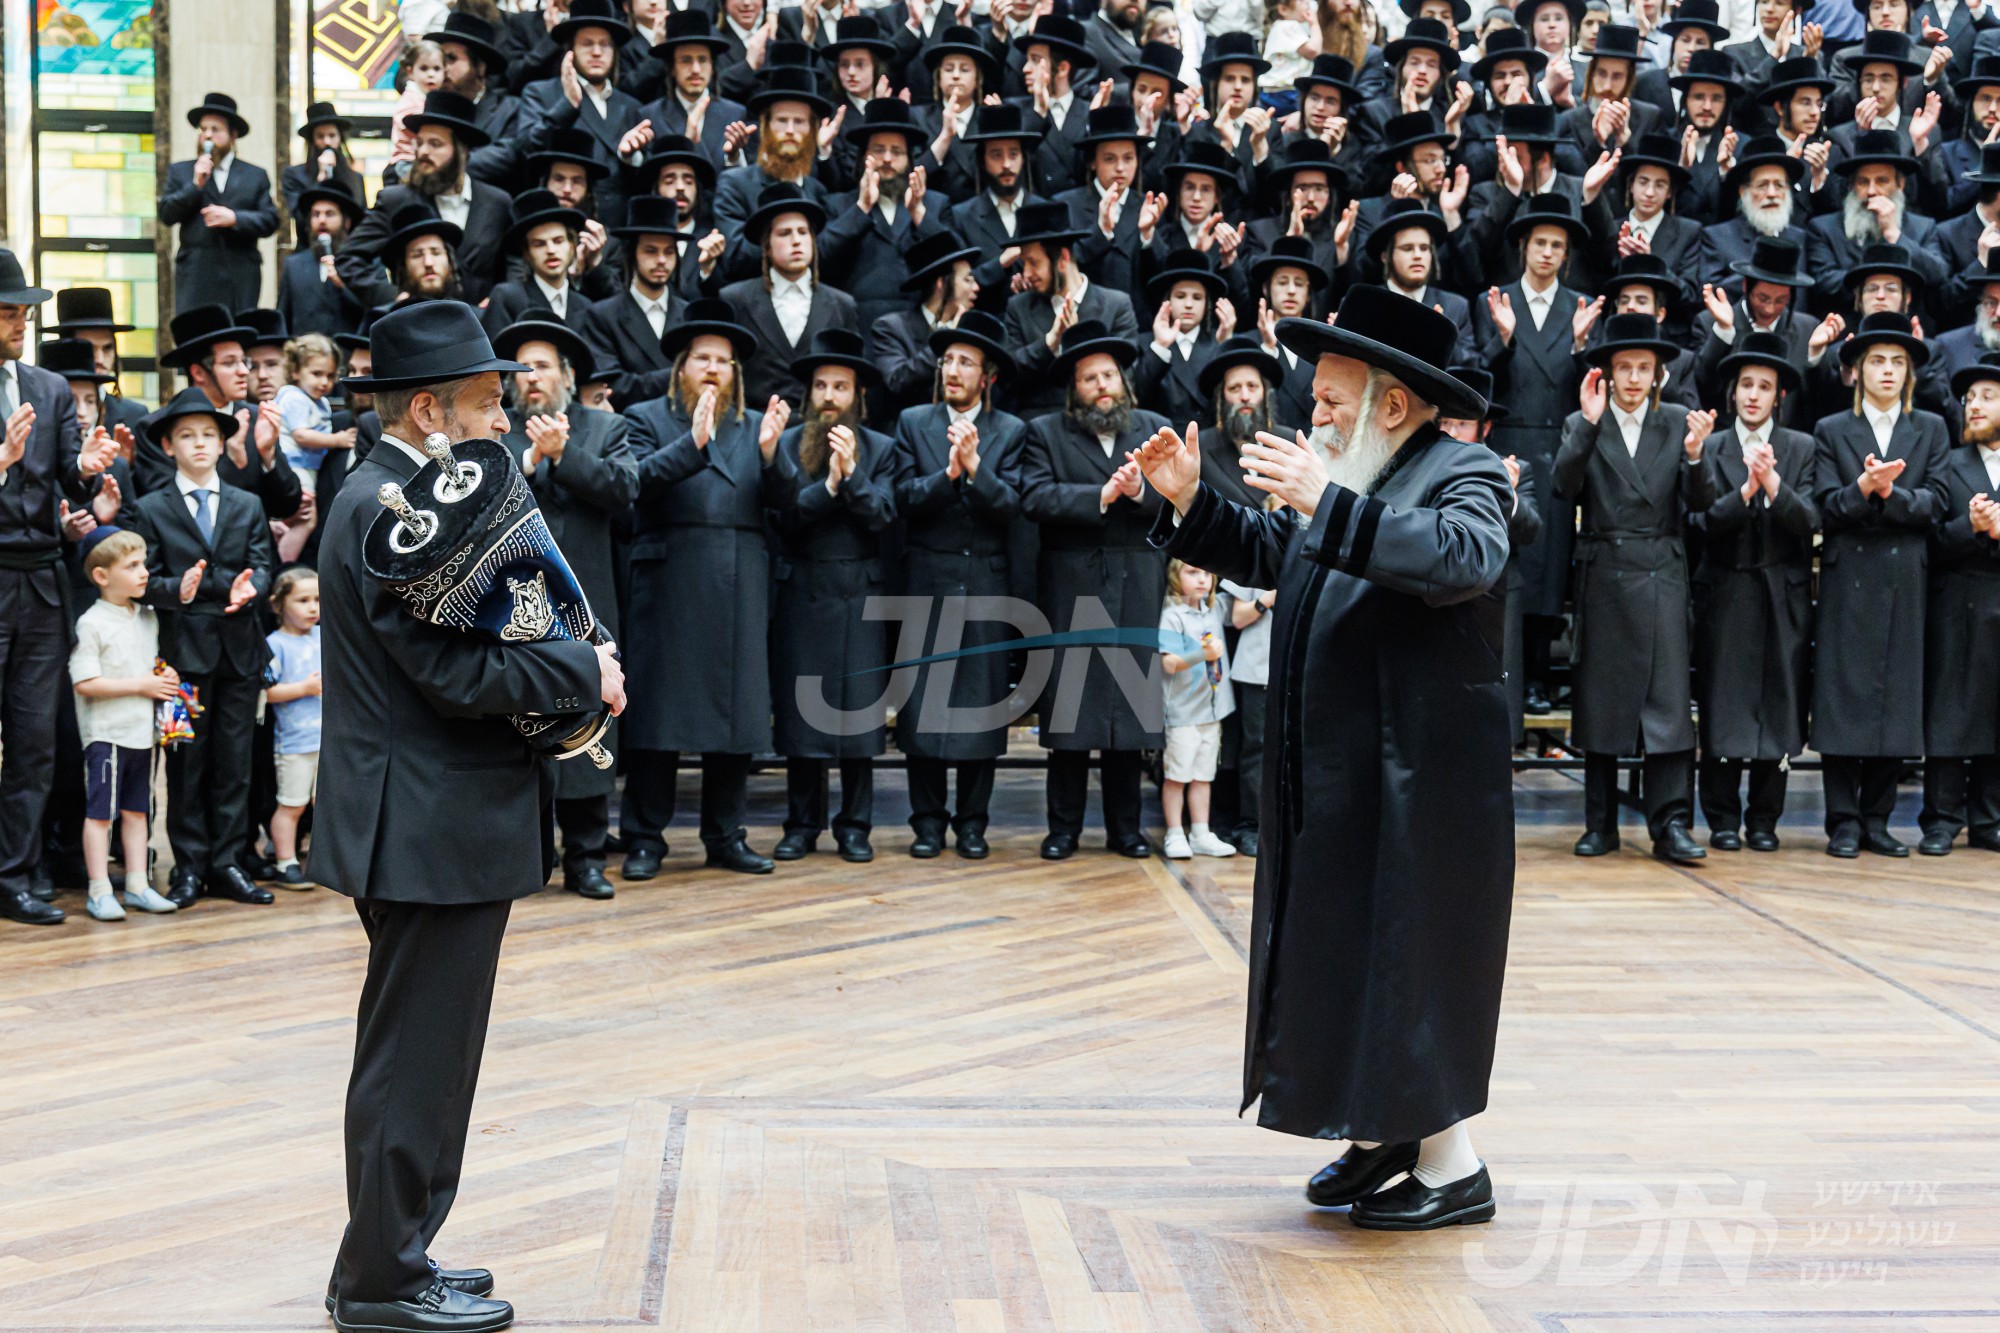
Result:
414,527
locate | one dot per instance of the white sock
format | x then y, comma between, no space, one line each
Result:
100,888
288,863
136,881
1197,830
1445,1157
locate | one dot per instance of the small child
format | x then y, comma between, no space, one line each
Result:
1198,698
305,415
292,685
114,668
423,74
1291,44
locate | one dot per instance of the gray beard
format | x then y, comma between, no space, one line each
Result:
1861,226
1767,221
1989,332
1240,425
1113,420
559,401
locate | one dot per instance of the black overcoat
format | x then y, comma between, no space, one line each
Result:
1962,623
218,265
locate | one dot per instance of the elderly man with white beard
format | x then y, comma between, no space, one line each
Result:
1873,212
1763,182
1385,880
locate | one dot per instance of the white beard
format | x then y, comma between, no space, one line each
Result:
1354,464
1767,221
1989,331
1860,224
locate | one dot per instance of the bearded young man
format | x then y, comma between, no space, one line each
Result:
312,298
988,219
585,95
439,183
691,105
789,114
223,208
544,234
890,210
631,324
1054,297
942,278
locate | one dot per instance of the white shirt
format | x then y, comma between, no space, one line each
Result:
792,300
1945,9
557,297
1539,302
741,32
1891,118
1080,285
1414,293
958,417
115,643
222,166
1989,454
1004,208
1059,108
453,208
1629,425
415,454
1107,443
1183,343
599,98
1883,424
1747,437
654,311
187,486
1645,226
960,121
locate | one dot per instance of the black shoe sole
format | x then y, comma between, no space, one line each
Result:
862,857
1845,853
739,869
979,855
925,853
788,854
1468,1216
491,1326
1053,854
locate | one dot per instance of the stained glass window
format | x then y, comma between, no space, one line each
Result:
355,47
94,55
97,185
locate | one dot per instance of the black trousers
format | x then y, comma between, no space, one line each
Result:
34,673
420,1032
1118,781
1860,792
208,778
1538,638
648,805
805,795
1959,793
1250,703
1722,794
1668,790
930,795
585,822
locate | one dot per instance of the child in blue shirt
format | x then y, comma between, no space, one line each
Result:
293,688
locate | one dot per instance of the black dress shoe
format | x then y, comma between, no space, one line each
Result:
441,1309
1937,843
237,887
1058,846
1537,700
972,844
1759,840
1882,844
43,888
1135,847
24,907
183,888
852,844
589,882
929,842
471,1281
1359,1173
1846,844
1726,840
1984,842
1594,843
737,856
641,863
1411,1205
795,846
1679,847
1245,842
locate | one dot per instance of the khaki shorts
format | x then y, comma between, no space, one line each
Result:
298,778
1192,752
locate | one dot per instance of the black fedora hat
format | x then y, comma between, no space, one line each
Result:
1084,338
329,194
958,40
1613,41
1205,158
1776,260
1461,10
1529,123
1303,153
653,215
324,113
1240,349
1401,215
14,288
788,83
73,359
1425,35
1698,15
1289,252
189,402
1404,132
1647,270
1186,265
1985,73
1986,368
1977,275
1064,37
1004,120
1232,48
475,34
591,14
567,144
509,341
453,112
706,317
1508,44
1758,348
269,326
1632,333
978,329
1762,150
1162,59
1876,148
835,347
604,370
1331,71
860,33
196,330
1047,224
1547,210
1391,333
1790,76
677,149
429,342
1884,326
885,115
533,208
219,104
1882,46
1480,380
1524,13
933,257
1893,260
348,342
411,221
1656,150
1710,65
690,27
777,198
85,308
1988,171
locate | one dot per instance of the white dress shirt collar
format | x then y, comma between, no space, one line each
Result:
1989,454
187,485
1539,302
1882,423
557,297
1747,437
654,309
1630,424
411,451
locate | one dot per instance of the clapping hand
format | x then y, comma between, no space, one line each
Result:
964,459
549,435
242,591
108,500
76,523
97,453
1878,476
1699,424
1985,515
1171,463
1500,309
703,425
1591,394
776,413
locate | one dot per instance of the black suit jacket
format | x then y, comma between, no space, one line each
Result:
202,637
218,264
33,490
310,305
1029,319
481,257
509,301
769,371
617,326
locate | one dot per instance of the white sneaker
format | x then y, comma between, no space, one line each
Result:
1206,843
1177,845
147,899
104,908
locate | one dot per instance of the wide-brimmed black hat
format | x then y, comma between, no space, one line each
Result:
268,325
476,35
1986,368
1703,15
84,308
1302,153
653,215
1632,333
509,341
836,347
1758,348
1883,258
1402,133
1977,275
189,402
1160,58
1331,71
1240,349
1508,44
1642,270
73,359
1461,10
1882,46
1064,37
958,40
1876,148
347,342
591,14
1762,150
412,220
1004,120
1884,326
670,149
693,27
605,370
568,144
219,104
933,256
1709,65
1289,252
860,33
1047,224
1206,158
1392,333
885,115
532,208
1656,150
1613,41
1774,259
195,331
1232,48
1524,13
1547,210
1529,123
1085,337
1789,76
981,330
703,317
14,288
324,113
1985,73
1401,215
1480,380
329,194
428,342
788,83
777,198
1423,34
1186,265
455,113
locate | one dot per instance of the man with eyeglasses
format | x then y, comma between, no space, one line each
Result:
212,350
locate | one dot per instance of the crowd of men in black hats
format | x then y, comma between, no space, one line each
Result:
827,304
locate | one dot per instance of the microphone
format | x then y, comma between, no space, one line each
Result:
323,245
207,147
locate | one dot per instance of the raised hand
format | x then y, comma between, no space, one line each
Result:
242,591
1102,97
1500,309
1171,463
1865,112
104,506
1600,171
1940,57
1591,394
708,251
1064,320
1632,242
1584,319
97,453
237,446
704,418
1267,329
127,443
734,135
868,194
829,133
1109,208
1690,147
1825,334
913,195
1725,152
549,435
1924,122
1164,330
1451,199
191,580
1513,466
1699,424
1719,308
1461,101
76,523
1225,320
776,413
1292,470
1343,230
1512,177
572,83
1404,186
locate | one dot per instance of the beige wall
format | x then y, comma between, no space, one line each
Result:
230,46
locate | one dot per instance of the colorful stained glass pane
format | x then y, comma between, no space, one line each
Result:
135,299
97,185
94,55
355,46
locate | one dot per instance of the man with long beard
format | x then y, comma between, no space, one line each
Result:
829,530
1762,183
438,181
1378,946
1963,347
473,68
579,464
1873,212
709,471
790,116
1054,297
1112,34
1097,571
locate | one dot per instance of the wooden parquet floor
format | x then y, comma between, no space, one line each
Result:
957,1097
